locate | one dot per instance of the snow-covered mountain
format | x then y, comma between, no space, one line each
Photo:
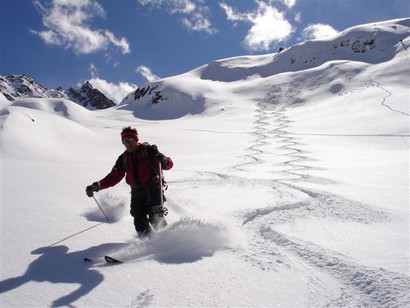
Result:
364,44
290,186
21,86
16,86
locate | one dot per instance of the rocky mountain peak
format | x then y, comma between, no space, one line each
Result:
88,96
18,86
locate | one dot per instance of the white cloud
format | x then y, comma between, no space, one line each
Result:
67,25
268,25
318,31
196,23
231,14
115,92
289,3
92,69
298,17
194,15
146,73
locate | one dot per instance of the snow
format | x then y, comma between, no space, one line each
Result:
290,186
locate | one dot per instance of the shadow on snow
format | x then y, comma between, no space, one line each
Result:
56,265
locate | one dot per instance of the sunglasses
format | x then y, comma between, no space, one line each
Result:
128,140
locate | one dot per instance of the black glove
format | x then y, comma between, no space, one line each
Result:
92,188
162,159
164,163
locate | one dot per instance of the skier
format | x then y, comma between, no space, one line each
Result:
139,164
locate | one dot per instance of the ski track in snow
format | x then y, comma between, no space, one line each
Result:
387,95
270,250
363,286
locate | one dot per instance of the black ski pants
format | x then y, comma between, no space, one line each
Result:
146,208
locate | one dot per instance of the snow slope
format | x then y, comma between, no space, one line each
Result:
290,186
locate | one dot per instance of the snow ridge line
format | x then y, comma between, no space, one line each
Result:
368,286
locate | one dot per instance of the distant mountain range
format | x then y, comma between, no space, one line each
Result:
20,86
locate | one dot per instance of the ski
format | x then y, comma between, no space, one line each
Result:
111,260
108,260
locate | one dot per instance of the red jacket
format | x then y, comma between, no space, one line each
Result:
139,167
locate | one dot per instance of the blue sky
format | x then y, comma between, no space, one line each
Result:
121,44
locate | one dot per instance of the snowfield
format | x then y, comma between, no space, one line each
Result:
290,186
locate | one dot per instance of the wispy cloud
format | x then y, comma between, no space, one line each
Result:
146,73
231,14
92,69
318,31
298,17
289,3
268,25
67,25
194,15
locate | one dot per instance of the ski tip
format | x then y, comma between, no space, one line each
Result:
111,260
87,260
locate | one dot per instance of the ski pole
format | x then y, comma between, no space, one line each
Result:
100,208
160,182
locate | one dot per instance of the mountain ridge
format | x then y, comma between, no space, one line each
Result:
23,86
360,47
